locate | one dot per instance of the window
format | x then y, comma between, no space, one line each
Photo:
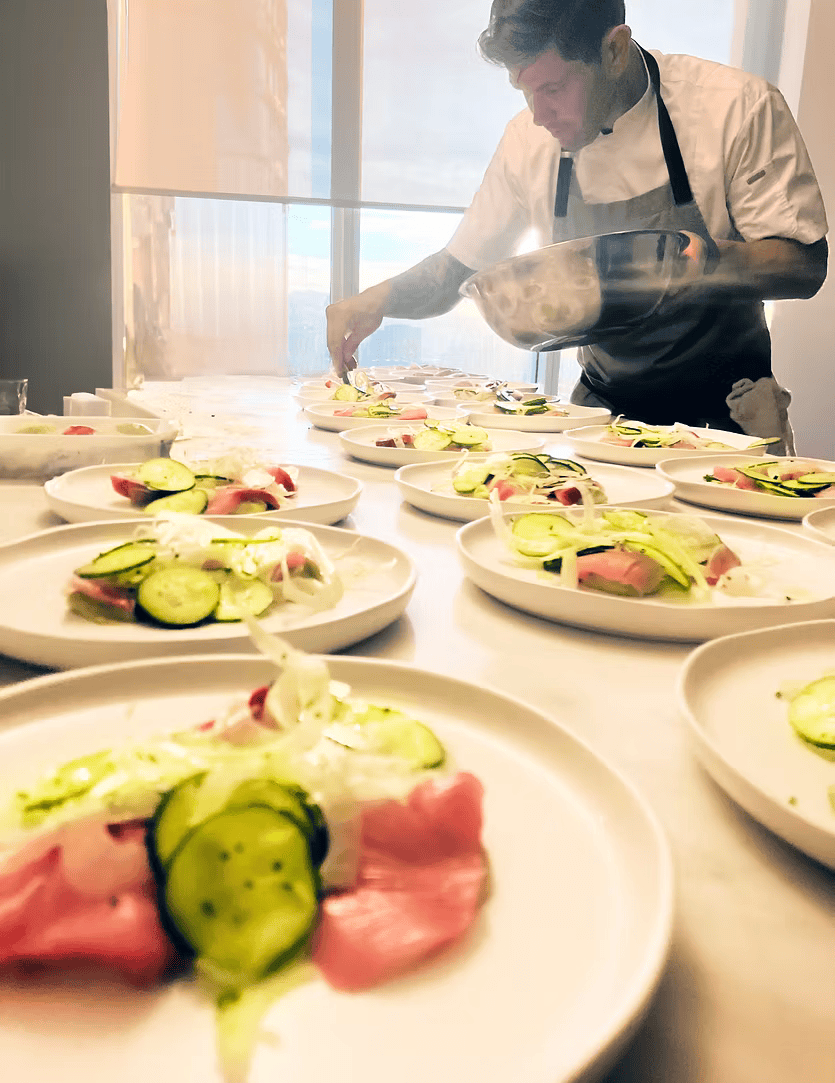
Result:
389,126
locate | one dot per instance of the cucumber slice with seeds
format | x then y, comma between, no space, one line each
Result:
189,502
180,810
166,475
812,713
252,595
242,891
179,595
431,440
121,558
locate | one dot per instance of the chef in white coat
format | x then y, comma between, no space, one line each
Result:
616,137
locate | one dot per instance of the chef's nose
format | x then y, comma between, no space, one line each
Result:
540,112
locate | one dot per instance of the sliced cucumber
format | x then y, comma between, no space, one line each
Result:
625,520
469,436
348,393
177,814
538,526
252,595
166,475
122,558
812,712
251,507
395,734
179,595
210,482
431,440
242,891
673,570
188,502
529,466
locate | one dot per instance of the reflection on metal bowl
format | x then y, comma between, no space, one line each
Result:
572,293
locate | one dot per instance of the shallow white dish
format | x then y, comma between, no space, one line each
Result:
361,443
588,443
490,417
44,455
798,562
727,694
82,496
821,524
36,625
549,986
427,486
324,416
687,474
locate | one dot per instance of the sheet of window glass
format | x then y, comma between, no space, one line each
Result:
433,109
206,287
391,242
701,28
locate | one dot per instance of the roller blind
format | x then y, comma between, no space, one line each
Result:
202,98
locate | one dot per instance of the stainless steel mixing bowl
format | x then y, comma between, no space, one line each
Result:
574,292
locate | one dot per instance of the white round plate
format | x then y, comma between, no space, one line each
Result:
85,495
688,474
428,486
551,982
821,524
588,443
490,417
790,558
36,625
361,443
727,693
324,416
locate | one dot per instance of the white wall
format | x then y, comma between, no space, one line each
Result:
804,331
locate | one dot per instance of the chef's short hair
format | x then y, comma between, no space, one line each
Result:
521,30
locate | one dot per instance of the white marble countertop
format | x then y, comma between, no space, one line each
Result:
748,995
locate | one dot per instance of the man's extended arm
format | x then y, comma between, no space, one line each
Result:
430,288
773,269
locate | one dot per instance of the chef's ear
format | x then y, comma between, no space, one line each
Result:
615,51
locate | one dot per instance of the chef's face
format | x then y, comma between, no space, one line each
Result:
569,98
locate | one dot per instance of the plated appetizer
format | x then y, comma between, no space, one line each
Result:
536,478
635,554
439,436
303,833
181,571
233,485
382,409
778,477
636,434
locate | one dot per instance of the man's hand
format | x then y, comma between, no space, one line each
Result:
350,322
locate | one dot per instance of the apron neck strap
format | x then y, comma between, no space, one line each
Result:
682,192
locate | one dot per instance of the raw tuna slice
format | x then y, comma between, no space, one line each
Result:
87,900
136,491
105,593
722,559
421,878
733,477
282,478
226,500
620,571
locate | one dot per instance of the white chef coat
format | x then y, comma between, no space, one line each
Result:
747,163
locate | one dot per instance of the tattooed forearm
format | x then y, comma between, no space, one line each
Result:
430,288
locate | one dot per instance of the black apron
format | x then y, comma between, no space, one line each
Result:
680,367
